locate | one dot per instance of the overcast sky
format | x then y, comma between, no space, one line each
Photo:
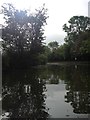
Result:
59,12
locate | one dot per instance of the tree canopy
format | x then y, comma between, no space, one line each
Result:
78,35
77,42
24,31
53,45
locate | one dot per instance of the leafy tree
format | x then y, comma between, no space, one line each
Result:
23,33
53,45
77,33
77,24
52,50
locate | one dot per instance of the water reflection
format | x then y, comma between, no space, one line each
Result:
25,99
24,92
77,83
80,101
78,90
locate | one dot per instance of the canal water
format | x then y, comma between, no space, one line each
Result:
60,90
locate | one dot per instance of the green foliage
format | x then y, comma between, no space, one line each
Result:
23,35
77,42
77,24
61,53
78,36
53,45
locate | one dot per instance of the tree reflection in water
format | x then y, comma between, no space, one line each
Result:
78,90
25,99
24,91
80,101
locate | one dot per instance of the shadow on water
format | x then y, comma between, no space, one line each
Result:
24,91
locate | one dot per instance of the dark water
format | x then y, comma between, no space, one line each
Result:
51,91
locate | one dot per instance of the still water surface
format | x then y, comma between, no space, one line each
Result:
50,91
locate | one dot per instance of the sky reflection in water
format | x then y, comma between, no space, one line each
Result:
56,91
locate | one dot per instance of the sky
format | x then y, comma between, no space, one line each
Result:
59,12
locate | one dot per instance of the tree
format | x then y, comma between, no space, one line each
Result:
77,25
53,45
76,31
23,33
52,50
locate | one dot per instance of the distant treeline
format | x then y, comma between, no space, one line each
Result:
23,41
77,42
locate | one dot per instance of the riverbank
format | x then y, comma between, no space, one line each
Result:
69,63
